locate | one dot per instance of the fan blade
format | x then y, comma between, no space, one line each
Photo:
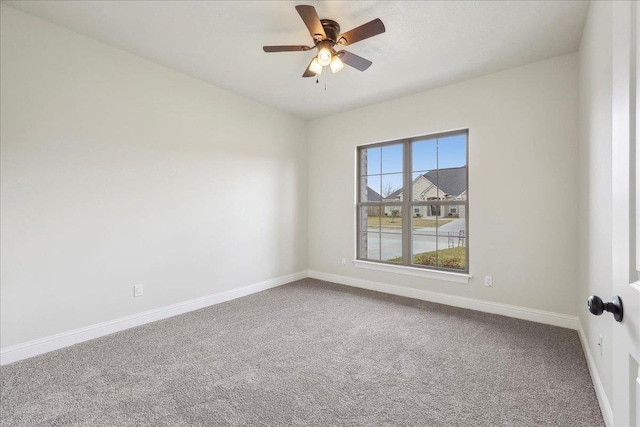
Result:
355,61
312,21
285,48
308,72
362,32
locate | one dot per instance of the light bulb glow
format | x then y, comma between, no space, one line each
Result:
336,64
324,57
315,66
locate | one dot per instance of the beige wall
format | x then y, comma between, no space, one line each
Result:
595,170
117,171
522,124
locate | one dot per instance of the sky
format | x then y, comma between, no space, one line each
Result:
385,163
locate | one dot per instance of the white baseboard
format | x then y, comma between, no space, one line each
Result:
546,317
605,407
18,352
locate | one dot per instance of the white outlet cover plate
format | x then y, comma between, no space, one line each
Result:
138,290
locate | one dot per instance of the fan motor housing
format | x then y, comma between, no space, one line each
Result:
331,29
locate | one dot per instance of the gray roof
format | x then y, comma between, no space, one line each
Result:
395,195
372,196
451,181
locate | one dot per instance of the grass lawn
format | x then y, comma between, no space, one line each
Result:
450,258
387,221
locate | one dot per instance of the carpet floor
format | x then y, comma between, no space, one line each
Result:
311,353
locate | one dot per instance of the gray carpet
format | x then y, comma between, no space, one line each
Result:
311,353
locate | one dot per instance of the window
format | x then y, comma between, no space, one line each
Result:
429,228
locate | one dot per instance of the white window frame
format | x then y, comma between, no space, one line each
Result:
408,206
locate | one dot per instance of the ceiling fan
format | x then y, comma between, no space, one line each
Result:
326,35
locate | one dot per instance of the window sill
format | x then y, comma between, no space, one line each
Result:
413,271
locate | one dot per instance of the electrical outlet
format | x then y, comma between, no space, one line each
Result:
344,261
488,281
138,290
600,343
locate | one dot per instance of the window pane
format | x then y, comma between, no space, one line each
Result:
452,151
441,184
391,236
440,241
370,246
392,158
424,249
452,240
370,161
392,187
424,237
452,253
370,217
391,221
440,169
424,155
391,244
370,187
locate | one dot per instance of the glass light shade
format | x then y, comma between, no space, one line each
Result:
324,57
336,64
315,66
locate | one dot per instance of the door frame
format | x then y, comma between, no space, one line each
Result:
625,335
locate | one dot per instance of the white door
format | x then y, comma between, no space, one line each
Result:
626,214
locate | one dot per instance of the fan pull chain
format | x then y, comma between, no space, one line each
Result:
318,81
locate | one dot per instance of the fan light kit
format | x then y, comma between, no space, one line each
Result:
315,66
336,64
324,57
326,35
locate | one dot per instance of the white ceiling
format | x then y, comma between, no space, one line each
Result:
426,45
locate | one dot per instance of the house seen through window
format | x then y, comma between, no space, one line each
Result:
413,202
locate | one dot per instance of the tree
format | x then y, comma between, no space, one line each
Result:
388,189
394,214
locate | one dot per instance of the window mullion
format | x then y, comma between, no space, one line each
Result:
406,204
